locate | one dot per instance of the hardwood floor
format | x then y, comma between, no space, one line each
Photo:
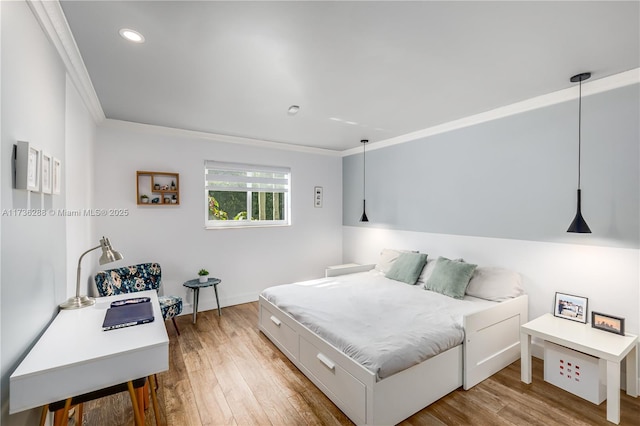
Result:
223,371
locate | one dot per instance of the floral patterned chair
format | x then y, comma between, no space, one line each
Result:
145,276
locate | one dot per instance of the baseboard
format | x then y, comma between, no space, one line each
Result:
537,349
210,303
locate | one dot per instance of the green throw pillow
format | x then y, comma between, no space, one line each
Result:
450,277
407,267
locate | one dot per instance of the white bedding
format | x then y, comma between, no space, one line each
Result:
385,325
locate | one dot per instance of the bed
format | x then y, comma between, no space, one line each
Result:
356,334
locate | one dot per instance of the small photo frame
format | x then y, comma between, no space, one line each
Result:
27,166
571,307
56,176
607,323
46,164
33,169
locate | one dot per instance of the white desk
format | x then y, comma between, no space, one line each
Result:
583,338
74,356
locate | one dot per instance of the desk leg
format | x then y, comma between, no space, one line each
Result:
154,398
43,415
525,357
613,392
632,372
215,288
139,420
196,295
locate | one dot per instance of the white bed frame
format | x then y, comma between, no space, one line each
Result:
492,341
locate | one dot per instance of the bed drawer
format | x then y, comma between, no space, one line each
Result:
349,390
285,336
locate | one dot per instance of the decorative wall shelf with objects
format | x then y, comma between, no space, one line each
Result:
157,188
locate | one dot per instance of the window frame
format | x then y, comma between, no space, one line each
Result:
283,188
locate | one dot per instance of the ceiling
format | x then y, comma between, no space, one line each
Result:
358,70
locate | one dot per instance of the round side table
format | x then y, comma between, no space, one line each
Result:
196,285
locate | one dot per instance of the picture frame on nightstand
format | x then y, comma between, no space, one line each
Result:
571,307
607,323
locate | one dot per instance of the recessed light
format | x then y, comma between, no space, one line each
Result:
131,35
293,110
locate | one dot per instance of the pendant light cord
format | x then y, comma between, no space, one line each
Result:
364,170
579,132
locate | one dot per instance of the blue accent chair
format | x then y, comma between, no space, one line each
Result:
145,276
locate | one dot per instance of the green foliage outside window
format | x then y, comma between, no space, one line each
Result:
264,205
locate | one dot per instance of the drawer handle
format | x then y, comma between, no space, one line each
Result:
275,320
326,361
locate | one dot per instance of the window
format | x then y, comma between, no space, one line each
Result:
241,195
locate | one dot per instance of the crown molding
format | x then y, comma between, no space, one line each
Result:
237,140
605,84
52,20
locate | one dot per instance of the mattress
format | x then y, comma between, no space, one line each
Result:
384,325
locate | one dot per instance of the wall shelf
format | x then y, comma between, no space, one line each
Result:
161,188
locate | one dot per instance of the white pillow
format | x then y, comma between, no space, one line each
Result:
387,257
429,267
496,284
427,270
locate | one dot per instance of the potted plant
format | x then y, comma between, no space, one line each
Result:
173,185
144,198
204,275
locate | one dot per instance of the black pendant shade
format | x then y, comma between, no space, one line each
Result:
579,225
364,217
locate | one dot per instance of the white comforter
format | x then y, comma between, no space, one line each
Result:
385,325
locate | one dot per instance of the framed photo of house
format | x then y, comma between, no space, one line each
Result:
607,323
46,163
56,176
571,307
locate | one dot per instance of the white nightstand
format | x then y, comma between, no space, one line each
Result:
583,338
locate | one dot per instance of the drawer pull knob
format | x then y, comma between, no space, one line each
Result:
275,320
326,361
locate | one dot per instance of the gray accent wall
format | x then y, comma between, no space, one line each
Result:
513,177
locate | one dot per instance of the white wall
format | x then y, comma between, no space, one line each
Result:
33,257
39,105
77,187
607,276
246,260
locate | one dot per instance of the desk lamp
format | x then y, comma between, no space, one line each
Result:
108,255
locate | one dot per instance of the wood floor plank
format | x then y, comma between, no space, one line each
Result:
212,406
262,381
179,401
224,371
240,397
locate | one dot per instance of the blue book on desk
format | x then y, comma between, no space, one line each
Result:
128,315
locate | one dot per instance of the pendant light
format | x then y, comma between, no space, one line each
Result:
364,217
579,225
